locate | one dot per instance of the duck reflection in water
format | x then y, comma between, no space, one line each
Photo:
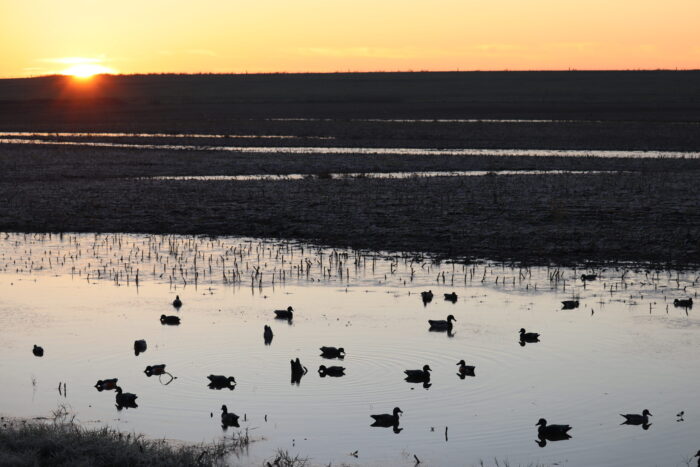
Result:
298,370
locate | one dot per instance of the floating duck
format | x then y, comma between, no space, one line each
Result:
440,325
683,302
298,370
588,277
332,352
287,314
140,346
125,399
106,384
465,370
528,336
171,320
38,351
451,297
221,381
551,431
569,304
177,303
386,419
228,418
156,370
427,297
418,376
333,371
267,334
636,419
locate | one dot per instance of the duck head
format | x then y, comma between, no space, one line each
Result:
118,390
341,350
426,368
697,455
451,318
646,413
522,330
224,409
397,411
542,422
290,309
461,362
231,380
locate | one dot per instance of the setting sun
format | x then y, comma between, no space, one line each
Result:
86,70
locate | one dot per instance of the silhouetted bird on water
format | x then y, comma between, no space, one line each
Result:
465,370
441,325
418,376
228,418
684,302
287,314
427,297
387,420
528,336
156,370
221,381
125,399
588,277
106,384
636,419
451,297
267,335
38,351
177,303
140,346
298,370
172,320
569,304
334,371
552,431
332,352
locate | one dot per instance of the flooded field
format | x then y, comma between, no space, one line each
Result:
86,298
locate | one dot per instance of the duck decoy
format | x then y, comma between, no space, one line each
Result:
387,419
177,303
451,297
125,399
267,335
171,320
465,370
683,302
333,371
298,370
636,419
529,336
427,297
228,418
221,381
569,304
588,277
287,314
38,351
441,325
418,376
552,432
106,384
332,352
140,346
155,370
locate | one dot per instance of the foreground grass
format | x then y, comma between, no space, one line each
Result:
64,442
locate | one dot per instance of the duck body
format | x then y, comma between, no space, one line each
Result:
636,419
228,418
171,320
221,381
529,336
140,346
333,371
332,352
441,325
267,334
418,376
298,370
106,384
427,297
683,302
287,314
451,297
387,419
38,351
155,370
125,399
177,303
588,277
465,370
569,304
552,432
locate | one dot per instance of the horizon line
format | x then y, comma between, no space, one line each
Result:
350,72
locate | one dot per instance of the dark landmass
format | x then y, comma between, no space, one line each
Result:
647,212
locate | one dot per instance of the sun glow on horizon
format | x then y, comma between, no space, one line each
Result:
87,70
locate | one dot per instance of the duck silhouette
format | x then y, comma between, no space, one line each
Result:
552,432
140,346
333,371
332,352
156,370
106,384
451,297
125,399
588,277
171,320
636,419
683,302
287,314
177,303
38,351
267,335
298,370
427,297
530,337
569,304
228,418
418,376
386,420
441,325
465,370
221,382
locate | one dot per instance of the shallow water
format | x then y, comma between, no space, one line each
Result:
626,348
365,151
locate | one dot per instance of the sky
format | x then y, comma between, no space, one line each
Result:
222,36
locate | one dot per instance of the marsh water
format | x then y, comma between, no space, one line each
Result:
85,298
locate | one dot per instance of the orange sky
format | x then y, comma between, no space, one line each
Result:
128,36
